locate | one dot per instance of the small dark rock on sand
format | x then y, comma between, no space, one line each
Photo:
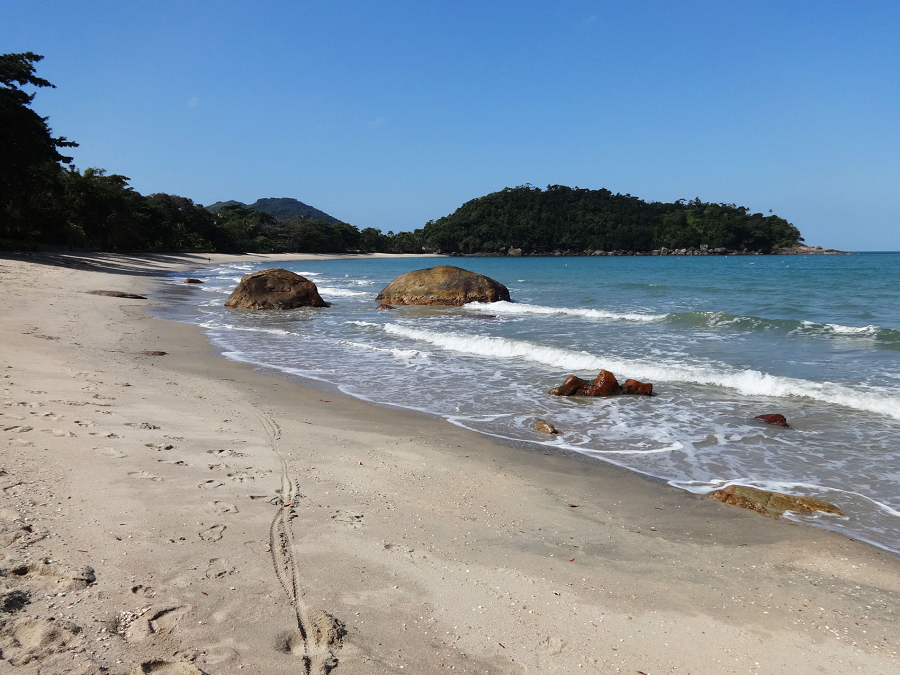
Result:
118,294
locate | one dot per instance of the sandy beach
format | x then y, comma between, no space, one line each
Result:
181,513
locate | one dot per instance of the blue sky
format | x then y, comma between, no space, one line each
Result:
389,114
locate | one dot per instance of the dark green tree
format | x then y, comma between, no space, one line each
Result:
30,167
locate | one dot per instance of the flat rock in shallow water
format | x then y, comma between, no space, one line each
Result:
772,504
274,289
442,285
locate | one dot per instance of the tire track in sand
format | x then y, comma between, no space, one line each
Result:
318,634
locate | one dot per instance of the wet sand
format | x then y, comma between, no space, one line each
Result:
181,513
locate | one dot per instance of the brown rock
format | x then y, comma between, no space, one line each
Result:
118,294
274,289
777,420
570,387
192,281
384,306
606,384
639,388
442,285
545,427
772,504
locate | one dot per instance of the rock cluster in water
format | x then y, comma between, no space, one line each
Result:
274,289
772,504
442,285
605,384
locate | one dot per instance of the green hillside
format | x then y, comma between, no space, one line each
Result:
282,208
575,219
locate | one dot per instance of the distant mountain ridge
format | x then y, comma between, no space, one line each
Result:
283,208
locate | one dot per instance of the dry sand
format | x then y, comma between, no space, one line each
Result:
184,514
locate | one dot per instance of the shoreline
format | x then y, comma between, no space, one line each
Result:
438,548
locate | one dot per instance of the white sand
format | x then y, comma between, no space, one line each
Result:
437,549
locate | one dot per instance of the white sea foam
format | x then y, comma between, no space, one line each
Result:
853,330
504,307
746,382
399,353
343,292
212,324
362,323
839,329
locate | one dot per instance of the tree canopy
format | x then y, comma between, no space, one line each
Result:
577,219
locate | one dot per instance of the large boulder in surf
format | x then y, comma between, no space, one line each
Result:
442,285
605,384
274,289
772,504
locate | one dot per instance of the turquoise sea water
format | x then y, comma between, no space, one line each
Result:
722,339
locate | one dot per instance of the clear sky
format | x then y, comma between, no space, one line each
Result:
389,114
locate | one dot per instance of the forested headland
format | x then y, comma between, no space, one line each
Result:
562,218
46,201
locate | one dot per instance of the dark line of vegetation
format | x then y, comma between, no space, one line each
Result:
45,200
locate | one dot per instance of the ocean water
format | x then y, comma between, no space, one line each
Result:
722,339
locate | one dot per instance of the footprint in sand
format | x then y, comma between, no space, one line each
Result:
210,484
112,452
145,475
213,533
141,425
223,507
226,453
259,546
176,462
218,568
160,446
59,433
16,429
240,476
30,640
351,518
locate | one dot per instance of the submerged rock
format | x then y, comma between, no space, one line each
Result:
772,504
274,289
776,419
193,281
385,306
605,384
442,285
545,427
